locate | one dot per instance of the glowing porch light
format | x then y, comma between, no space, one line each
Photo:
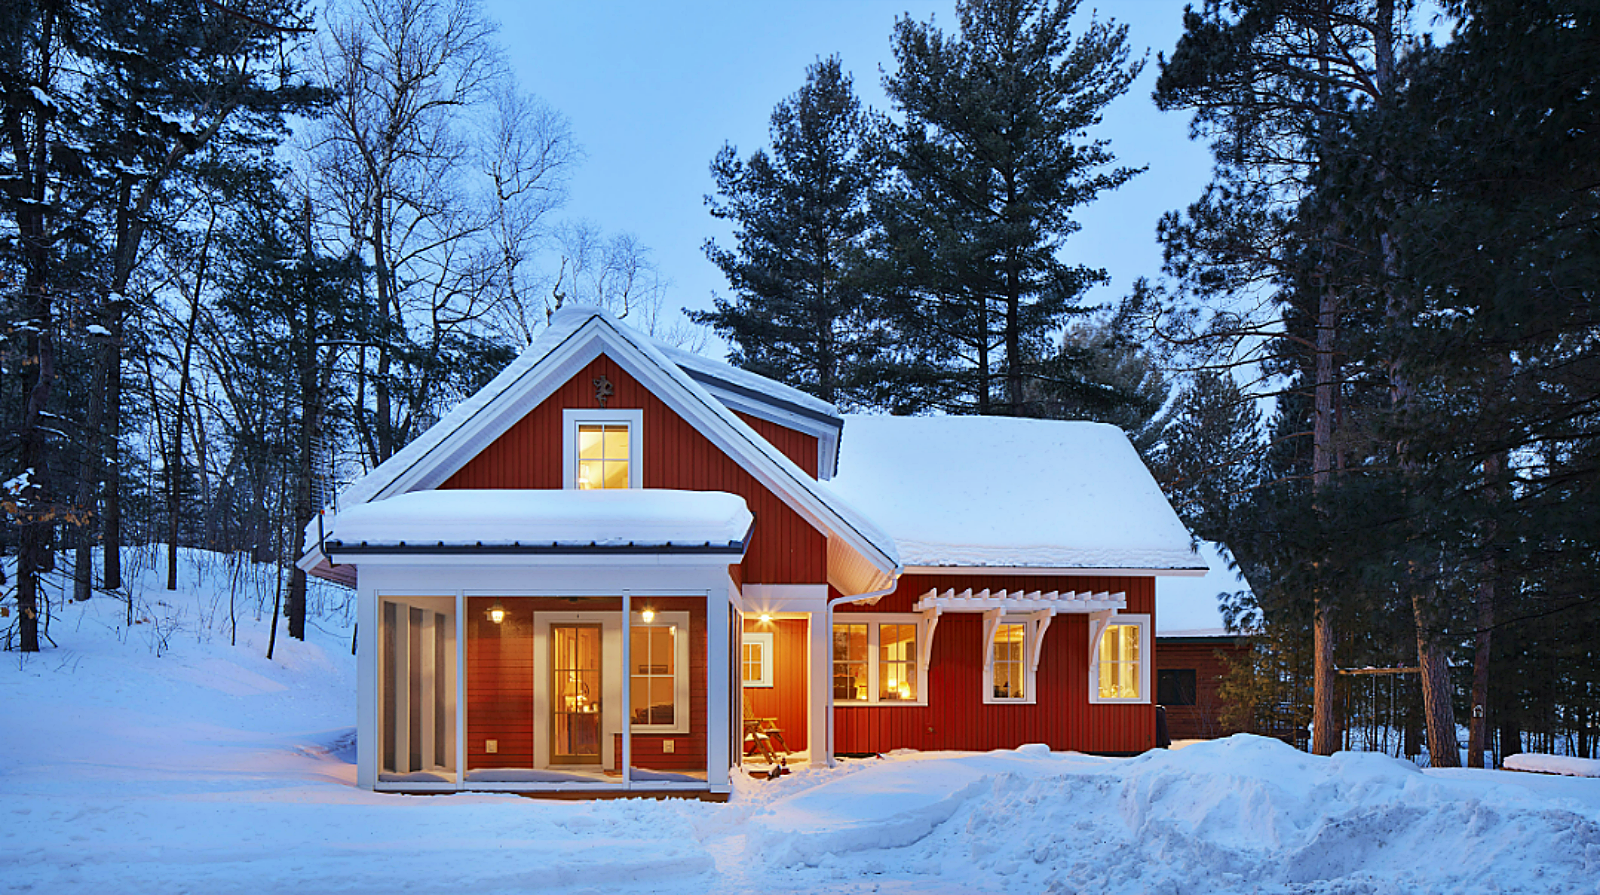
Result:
764,618
496,613
647,615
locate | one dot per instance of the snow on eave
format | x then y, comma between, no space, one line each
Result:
475,422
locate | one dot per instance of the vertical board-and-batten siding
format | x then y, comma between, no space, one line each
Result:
956,717
785,700
785,549
1203,720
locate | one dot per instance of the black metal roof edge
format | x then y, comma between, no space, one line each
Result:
705,378
732,548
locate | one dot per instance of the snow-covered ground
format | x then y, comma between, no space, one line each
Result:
209,769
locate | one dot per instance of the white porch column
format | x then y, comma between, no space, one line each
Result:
627,691
367,667
819,673
718,688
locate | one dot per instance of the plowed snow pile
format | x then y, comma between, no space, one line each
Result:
160,759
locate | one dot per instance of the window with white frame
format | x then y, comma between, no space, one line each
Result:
658,672
602,448
1008,671
877,659
755,659
1120,671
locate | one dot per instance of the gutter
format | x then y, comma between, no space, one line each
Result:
827,616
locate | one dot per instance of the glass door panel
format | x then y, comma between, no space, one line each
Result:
575,689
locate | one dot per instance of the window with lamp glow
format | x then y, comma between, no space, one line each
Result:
601,448
876,659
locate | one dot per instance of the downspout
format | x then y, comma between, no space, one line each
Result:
827,617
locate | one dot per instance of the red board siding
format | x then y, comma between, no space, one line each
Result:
956,716
1203,720
785,548
785,700
797,446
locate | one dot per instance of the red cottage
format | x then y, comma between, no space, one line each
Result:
620,566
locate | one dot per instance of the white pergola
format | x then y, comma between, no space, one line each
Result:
1038,607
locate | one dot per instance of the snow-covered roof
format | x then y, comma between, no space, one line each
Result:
623,517
861,556
1016,493
1187,607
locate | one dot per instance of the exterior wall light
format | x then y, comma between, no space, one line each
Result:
496,613
647,615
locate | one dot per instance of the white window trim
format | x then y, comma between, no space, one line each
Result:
1142,622
765,639
680,676
1030,674
872,620
572,417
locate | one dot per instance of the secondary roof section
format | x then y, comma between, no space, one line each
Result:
968,491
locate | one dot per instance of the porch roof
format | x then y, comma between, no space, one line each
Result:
530,520
1020,601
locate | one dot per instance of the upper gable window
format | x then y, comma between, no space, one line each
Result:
602,448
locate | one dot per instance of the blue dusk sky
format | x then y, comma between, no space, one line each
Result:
654,89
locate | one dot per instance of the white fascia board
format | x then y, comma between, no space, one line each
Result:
827,435
1060,572
311,560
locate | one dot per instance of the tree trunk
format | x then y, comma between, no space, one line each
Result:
89,476
1324,714
1478,722
1444,750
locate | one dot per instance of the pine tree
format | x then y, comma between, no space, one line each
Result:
991,163
804,310
1209,456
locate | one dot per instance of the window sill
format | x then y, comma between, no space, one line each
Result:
887,703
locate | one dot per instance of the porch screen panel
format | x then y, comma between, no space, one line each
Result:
417,689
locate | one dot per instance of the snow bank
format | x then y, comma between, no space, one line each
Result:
1565,765
605,517
987,491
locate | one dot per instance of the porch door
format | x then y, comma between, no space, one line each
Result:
575,691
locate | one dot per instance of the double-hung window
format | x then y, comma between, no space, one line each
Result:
1120,671
658,672
602,449
877,659
1008,670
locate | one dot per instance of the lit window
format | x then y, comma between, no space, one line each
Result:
602,456
1008,680
658,679
1120,672
897,661
602,448
755,659
850,663
876,659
